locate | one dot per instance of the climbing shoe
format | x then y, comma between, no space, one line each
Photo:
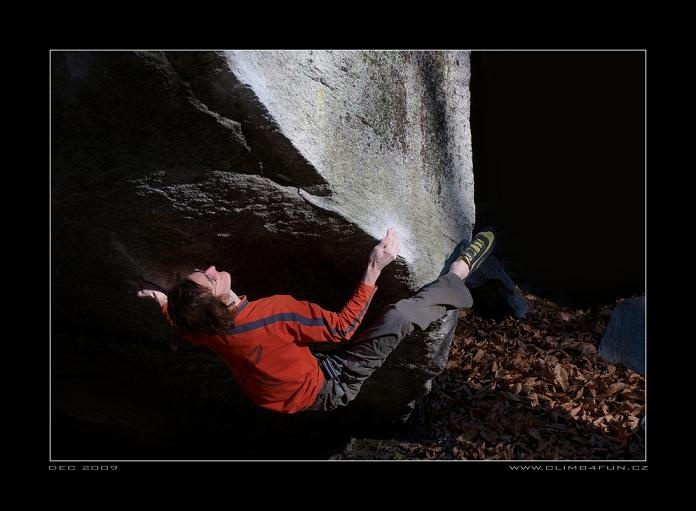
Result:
480,247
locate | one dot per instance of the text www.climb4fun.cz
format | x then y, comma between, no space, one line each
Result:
82,468
607,468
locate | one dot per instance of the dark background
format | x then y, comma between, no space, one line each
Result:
559,163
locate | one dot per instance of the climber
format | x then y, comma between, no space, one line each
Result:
266,343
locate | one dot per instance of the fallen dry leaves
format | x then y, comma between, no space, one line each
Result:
532,389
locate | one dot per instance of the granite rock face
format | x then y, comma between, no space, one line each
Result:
388,131
283,168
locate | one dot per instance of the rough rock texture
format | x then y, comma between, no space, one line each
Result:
389,394
281,168
624,340
386,130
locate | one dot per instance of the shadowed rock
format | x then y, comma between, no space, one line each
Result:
283,168
494,292
624,340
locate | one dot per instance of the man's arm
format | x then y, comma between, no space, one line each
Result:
383,254
321,325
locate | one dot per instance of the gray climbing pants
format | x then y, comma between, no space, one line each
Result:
347,368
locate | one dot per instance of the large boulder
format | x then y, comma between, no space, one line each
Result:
388,131
283,168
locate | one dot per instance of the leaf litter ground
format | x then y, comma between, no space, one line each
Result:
523,390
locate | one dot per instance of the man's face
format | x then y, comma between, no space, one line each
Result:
218,282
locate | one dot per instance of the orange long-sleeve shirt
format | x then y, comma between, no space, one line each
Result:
266,350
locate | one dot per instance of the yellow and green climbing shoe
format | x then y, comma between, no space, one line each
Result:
480,247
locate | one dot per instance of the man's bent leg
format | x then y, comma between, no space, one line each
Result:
358,360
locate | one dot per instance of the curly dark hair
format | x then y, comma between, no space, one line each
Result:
194,309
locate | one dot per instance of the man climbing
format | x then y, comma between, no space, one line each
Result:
266,343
